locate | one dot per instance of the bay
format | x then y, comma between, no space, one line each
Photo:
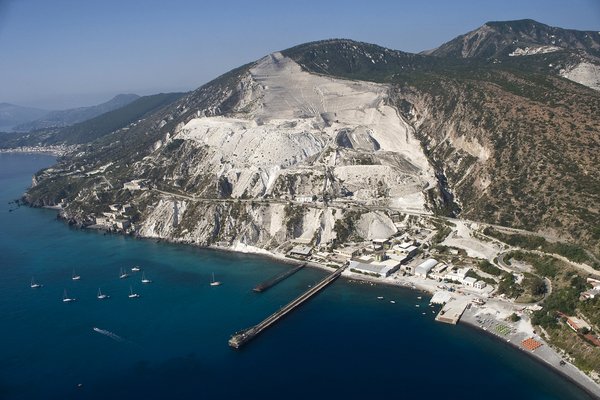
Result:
172,341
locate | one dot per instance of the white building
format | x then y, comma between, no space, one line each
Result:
304,199
459,275
347,251
469,281
370,266
479,285
122,223
423,269
439,271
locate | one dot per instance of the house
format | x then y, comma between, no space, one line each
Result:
407,248
103,221
136,184
380,242
347,251
576,324
479,285
114,207
122,223
458,275
304,199
590,294
423,269
469,281
439,271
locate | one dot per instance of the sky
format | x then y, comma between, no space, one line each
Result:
68,53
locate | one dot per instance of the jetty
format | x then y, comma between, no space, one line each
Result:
276,279
453,310
242,337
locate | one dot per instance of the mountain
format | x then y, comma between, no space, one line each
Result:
12,115
505,38
370,131
57,119
94,128
578,52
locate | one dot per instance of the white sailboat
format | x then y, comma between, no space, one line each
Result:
131,294
102,296
144,279
75,277
135,269
213,282
123,274
34,284
66,298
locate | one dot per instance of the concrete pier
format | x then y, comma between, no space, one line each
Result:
242,337
275,280
453,310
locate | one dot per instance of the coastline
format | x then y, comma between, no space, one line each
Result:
56,151
591,389
584,382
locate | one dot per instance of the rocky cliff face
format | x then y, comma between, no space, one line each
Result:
329,139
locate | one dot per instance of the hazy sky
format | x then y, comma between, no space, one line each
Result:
60,53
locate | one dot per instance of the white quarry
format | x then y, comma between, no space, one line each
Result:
291,122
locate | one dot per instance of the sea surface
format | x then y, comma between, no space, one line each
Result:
172,341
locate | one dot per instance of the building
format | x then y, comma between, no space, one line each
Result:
300,251
423,269
136,184
122,223
479,285
304,199
401,258
383,243
103,221
576,324
439,271
590,294
370,266
458,275
469,281
406,248
347,251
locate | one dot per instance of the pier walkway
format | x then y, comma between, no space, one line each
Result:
244,336
275,280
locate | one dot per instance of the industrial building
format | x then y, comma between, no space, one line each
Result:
423,269
370,266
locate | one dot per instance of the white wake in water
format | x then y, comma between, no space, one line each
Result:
109,334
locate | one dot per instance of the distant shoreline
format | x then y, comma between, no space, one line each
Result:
56,151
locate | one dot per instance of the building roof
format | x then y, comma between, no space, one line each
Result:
577,323
376,267
470,280
302,250
426,265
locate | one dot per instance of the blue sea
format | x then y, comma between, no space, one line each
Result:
172,341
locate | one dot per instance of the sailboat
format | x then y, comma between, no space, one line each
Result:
75,277
213,282
123,274
34,284
136,269
102,296
144,279
131,294
67,299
